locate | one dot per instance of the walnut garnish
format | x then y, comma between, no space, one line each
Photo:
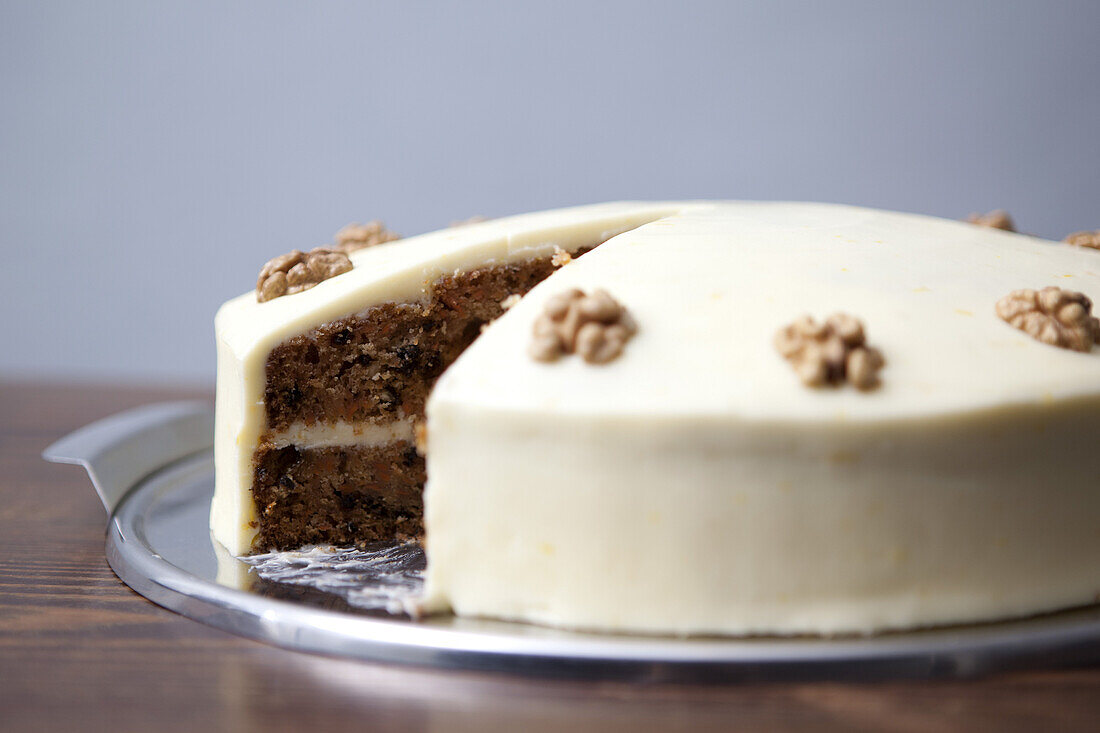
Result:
560,258
1085,239
996,219
359,236
595,326
475,219
297,271
831,352
1054,316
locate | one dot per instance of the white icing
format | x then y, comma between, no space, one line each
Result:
694,485
342,433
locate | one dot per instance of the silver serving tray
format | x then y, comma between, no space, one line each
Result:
153,469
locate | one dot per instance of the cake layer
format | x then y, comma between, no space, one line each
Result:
342,495
380,364
695,485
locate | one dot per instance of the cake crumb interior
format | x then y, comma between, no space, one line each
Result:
377,366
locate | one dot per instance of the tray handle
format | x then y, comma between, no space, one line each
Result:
120,450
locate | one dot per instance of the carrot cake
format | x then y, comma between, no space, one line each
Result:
725,417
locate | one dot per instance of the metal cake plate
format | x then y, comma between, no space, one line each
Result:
153,469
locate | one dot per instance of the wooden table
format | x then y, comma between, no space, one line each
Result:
80,651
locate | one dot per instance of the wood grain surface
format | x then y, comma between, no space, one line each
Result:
80,651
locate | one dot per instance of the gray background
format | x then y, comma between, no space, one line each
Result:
153,156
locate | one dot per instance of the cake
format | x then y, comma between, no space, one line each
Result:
654,437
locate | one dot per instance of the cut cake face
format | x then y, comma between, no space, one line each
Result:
321,388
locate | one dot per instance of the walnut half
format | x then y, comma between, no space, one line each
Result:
475,219
830,353
359,236
1085,239
297,271
595,326
997,219
1054,316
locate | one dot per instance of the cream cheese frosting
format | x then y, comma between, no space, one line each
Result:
694,485
342,432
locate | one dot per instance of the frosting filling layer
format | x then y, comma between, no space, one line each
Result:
341,433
